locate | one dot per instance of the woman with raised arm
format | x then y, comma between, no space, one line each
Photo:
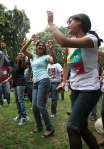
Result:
84,76
41,85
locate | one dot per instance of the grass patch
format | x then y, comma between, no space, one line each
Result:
13,136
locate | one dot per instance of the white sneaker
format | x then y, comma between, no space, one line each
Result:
28,118
23,121
52,115
5,100
17,118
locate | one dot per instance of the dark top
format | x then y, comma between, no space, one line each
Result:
18,76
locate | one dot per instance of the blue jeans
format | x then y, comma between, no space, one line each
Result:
28,90
82,104
39,101
4,92
19,92
54,97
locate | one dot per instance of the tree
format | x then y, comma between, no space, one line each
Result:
14,24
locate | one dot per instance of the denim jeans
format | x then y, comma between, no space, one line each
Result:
39,101
82,104
28,90
4,92
54,97
19,92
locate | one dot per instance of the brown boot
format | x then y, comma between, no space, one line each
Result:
48,133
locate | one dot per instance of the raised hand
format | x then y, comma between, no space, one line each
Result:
33,37
50,17
61,86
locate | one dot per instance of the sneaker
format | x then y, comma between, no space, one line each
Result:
5,100
22,121
17,118
52,115
35,130
28,118
48,133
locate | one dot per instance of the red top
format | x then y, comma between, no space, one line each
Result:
4,73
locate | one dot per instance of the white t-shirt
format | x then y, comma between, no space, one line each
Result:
54,72
84,67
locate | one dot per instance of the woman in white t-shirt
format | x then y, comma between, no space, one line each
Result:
84,76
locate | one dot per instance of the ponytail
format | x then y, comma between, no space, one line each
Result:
95,34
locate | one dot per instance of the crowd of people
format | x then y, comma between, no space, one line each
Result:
43,77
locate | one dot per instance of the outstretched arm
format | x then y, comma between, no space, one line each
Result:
83,42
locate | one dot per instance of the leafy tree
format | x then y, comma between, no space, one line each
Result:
14,24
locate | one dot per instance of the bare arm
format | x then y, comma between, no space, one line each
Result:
83,42
65,72
24,48
7,79
50,60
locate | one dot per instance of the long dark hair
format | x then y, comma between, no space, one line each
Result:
20,60
45,49
53,54
84,19
97,36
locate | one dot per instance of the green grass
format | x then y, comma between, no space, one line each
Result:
13,136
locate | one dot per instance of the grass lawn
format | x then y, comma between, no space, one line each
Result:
13,136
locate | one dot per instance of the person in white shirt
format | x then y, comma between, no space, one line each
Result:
84,76
54,72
